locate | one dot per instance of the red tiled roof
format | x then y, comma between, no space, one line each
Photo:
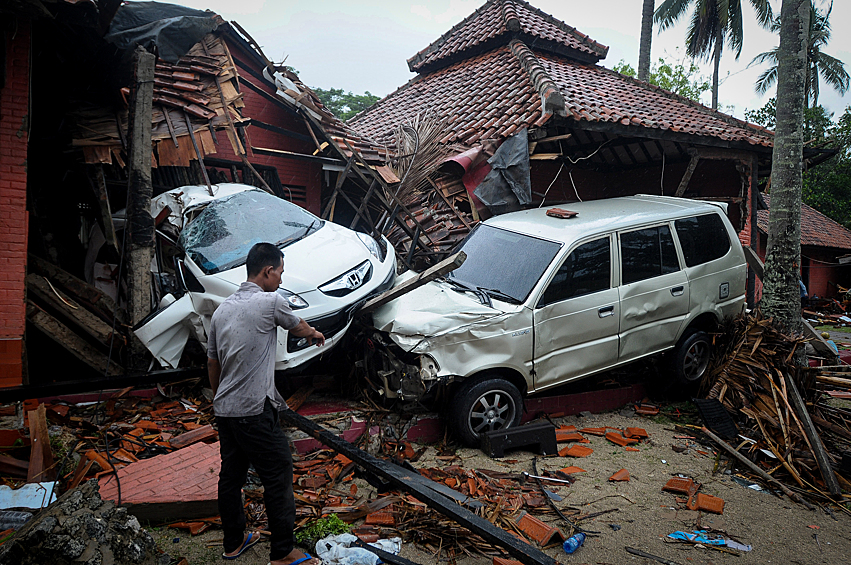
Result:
494,94
507,18
597,94
816,229
470,94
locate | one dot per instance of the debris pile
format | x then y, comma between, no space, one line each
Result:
790,429
81,528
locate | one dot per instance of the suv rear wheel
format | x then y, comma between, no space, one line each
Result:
691,356
482,405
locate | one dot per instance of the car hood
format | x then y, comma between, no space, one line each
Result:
430,311
306,264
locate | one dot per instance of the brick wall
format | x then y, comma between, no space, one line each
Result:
14,107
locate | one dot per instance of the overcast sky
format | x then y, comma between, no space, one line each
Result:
363,45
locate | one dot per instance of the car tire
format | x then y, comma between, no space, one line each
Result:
691,357
483,405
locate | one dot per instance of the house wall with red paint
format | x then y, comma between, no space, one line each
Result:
14,110
302,179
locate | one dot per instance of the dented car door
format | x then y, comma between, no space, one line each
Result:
577,317
654,292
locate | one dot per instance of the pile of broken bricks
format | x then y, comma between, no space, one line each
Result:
157,456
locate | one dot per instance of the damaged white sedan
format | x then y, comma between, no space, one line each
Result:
543,300
329,270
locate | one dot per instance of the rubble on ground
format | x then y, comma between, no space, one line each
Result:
81,528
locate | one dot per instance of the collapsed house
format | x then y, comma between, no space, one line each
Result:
215,110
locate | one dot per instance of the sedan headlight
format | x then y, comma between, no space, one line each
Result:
348,282
372,245
295,301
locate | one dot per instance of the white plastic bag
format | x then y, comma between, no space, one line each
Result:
336,550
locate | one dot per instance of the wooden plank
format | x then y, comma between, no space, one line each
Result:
692,165
98,182
819,343
41,288
458,214
815,440
78,347
754,262
554,138
194,436
41,456
198,154
13,467
750,465
447,265
102,304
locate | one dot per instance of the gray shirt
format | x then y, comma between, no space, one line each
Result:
243,338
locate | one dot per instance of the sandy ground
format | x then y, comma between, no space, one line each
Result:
779,530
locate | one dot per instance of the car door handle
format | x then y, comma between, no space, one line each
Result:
677,291
606,311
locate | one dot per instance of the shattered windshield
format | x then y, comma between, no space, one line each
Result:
503,262
218,239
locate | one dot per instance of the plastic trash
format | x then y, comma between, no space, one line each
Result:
335,549
13,520
572,543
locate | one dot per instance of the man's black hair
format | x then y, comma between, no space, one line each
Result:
263,255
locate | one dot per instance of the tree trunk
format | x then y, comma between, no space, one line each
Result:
646,40
716,55
814,80
781,295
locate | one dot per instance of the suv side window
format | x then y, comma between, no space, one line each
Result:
647,253
703,239
586,270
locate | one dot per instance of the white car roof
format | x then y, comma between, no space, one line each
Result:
598,216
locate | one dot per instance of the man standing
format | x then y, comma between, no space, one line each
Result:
241,364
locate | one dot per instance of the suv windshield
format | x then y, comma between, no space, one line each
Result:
220,236
503,262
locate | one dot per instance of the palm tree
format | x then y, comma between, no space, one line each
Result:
712,23
646,40
831,69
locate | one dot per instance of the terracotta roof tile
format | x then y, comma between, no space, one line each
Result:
816,229
504,18
469,92
466,92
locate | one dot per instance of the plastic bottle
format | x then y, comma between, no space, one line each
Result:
572,543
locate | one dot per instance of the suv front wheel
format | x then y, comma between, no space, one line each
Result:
691,356
483,405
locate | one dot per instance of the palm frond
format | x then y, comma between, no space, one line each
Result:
766,80
667,14
764,14
832,70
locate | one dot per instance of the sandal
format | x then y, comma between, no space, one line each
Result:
252,540
307,557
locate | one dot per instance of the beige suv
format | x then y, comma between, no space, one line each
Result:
541,301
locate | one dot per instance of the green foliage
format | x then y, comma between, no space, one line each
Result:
345,104
318,529
827,186
679,79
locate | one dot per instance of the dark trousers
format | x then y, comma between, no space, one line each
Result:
260,441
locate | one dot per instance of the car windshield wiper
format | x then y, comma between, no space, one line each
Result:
464,287
496,293
291,240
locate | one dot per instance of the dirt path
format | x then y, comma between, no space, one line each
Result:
779,530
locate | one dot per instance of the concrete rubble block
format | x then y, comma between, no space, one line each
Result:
80,528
